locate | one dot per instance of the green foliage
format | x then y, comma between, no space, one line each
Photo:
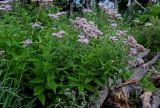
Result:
51,65
158,66
153,34
149,35
147,28
153,11
10,94
147,84
61,72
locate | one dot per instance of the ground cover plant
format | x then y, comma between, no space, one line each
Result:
49,59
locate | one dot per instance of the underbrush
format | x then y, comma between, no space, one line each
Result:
58,72
10,94
147,28
47,65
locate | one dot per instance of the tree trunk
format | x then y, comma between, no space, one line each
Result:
97,1
71,5
116,5
87,4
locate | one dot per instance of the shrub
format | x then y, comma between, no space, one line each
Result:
47,66
153,11
149,34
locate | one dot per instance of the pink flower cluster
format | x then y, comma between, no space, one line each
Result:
88,29
57,15
27,42
112,13
134,50
5,7
59,34
114,25
37,25
87,10
119,35
45,2
135,62
83,39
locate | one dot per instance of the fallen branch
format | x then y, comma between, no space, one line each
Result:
142,70
102,95
140,5
99,102
129,3
121,93
144,54
154,60
146,98
155,103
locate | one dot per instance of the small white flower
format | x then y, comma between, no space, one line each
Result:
53,16
2,52
87,10
5,7
133,52
59,34
114,38
136,21
27,42
114,25
57,15
84,40
37,25
148,24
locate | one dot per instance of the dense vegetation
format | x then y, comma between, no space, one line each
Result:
50,59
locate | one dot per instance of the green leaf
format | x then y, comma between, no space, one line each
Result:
72,84
98,82
80,87
42,98
89,87
51,83
38,90
73,79
87,80
37,80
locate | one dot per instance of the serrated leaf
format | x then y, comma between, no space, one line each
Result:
98,82
38,90
42,98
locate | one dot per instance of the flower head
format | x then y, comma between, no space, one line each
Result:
59,34
37,25
114,25
87,10
57,15
148,24
2,52
83,39
6,7
27,42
